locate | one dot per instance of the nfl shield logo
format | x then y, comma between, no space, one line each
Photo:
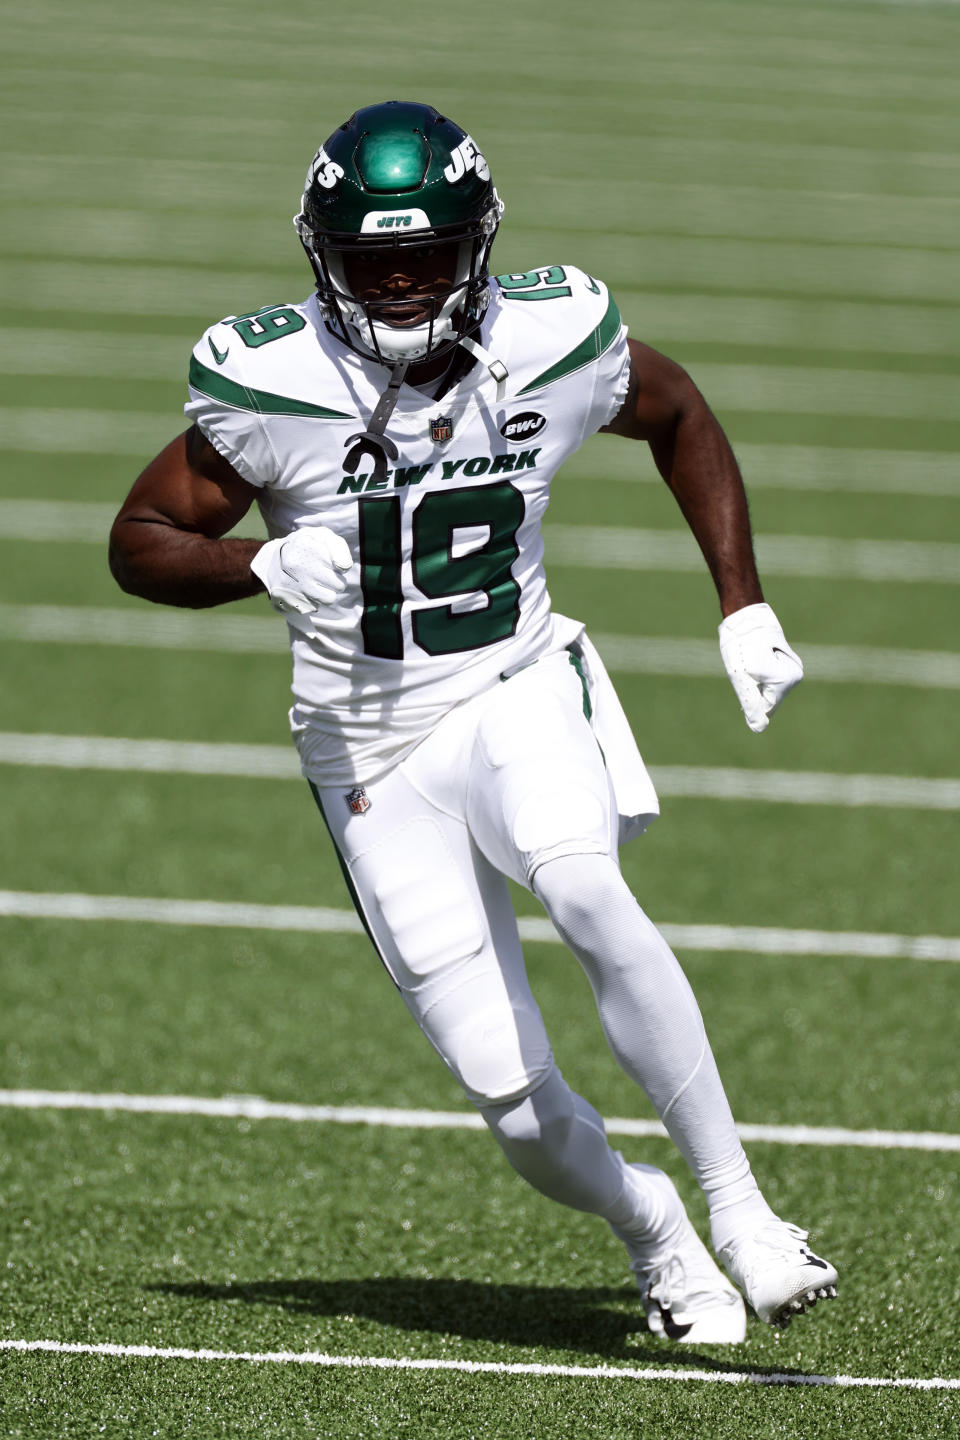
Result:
357,801
441,428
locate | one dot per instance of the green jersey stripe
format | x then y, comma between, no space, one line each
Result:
589,349
261,402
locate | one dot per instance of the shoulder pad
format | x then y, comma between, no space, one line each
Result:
238,338
214,348
569,320
238,350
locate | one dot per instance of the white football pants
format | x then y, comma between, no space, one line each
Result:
513,783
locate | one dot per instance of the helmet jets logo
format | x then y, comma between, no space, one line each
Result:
412,219
466,157
324,171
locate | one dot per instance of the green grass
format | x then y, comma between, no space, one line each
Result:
762,185
731,862
211,1013
276,1236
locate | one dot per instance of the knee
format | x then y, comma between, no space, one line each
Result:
539,1121
500,1054
582,892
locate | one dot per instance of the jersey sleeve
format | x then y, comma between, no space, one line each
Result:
573,340
612,370
225,408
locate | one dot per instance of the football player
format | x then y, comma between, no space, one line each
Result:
400,431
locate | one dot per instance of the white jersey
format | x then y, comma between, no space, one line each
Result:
447,592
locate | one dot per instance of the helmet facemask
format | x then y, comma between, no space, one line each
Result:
381,327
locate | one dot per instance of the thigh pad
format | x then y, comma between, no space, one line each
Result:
538,785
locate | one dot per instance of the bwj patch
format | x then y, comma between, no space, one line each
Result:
357,801
441,428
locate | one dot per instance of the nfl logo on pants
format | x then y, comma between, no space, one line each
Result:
357,801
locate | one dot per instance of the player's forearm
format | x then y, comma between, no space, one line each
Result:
697,463
177,567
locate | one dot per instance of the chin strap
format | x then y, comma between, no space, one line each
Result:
496,367
373,441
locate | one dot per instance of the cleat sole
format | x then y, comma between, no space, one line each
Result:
777,1273
800,1304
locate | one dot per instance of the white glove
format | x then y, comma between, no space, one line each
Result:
303,570
760,663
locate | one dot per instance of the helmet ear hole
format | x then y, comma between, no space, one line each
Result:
390,176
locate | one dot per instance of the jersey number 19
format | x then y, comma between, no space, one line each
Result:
438,572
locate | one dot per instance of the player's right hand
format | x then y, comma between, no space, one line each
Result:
303,570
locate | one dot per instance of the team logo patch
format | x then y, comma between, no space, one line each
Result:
441,428
521,428
357,802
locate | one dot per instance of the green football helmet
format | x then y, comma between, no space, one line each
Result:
399,177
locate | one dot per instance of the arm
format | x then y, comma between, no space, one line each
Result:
665,408
166,543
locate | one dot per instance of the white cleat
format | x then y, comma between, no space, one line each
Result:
778,1272
685,1296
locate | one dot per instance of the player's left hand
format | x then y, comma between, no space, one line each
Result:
761,665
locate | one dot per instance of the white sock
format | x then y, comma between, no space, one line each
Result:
654,1028
660,1214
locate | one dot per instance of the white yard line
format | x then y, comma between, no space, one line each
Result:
825,390
39,905
801,324
727,939
830,468
163,628
806,787
837,664
154,627
253,1107
820,468
45,351
779,268
138,434
595,547
46,430
783,267
78,521
279,762
172,757
75,286
678,320
485,1367
809,207
588,546
733,212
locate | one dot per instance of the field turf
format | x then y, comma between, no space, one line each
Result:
771,192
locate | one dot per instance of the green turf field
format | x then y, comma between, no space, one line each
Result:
771,191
